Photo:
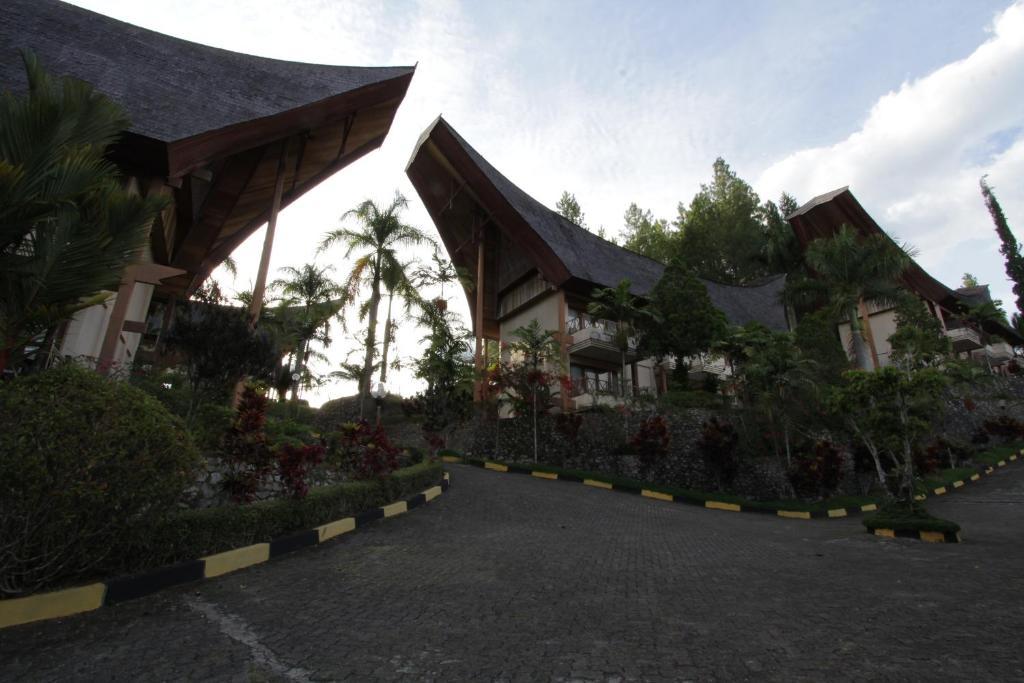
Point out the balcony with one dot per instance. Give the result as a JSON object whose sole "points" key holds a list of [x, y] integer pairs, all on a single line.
{"points": [[701, 367], [964, 339], [596, 339], [998, 352]]}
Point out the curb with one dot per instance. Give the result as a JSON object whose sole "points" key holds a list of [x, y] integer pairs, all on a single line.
{"points": [[64, 603], [926, 536], [832, 513]]}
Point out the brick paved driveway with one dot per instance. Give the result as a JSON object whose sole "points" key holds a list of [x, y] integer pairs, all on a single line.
{"points": [[513, 578]]}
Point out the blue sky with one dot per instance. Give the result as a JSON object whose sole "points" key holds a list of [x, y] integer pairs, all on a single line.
{"points": [[908, 103]]}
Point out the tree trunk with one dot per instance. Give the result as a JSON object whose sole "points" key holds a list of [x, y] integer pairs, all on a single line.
{"points": [[625, 413], [300, 353], [371, 339], [860, 349], [387, 341]]}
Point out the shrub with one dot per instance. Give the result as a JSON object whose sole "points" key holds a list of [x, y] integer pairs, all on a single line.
{"points": [[363, 452], [819, 472], [288, 431], [83, 462], [717, 444], [294, 464], [1005, 427], [299, 411], [901, 516], [190, 534], [246, 455], [209, 425], [651, 442]]}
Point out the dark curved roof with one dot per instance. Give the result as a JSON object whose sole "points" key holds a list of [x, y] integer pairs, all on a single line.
{"points": [[171, 88], [586, 256], [567, 253]]}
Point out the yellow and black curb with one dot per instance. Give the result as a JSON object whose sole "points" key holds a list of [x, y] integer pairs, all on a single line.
{"points": [[926, 536], [833, 513], [80, 599]]}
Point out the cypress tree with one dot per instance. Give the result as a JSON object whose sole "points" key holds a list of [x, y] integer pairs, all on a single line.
{"points": [[1009, 247]]}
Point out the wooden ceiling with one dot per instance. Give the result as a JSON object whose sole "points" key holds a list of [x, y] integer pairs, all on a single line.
{"points": [[225, 180]]}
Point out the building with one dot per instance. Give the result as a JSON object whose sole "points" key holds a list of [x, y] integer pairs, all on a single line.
{"points": [[529, 263], [228, 138], [991, 343]]}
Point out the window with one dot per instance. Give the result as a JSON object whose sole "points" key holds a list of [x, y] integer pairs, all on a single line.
{"points": [[588, 380]]}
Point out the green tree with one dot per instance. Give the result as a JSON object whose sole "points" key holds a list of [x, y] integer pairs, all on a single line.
{"points": [[721, 232], [380, 234], [918, 341], [313, 299], [570, 209], [683, 321], [969, 280], [445, 365], [776, 379], [218, 348], [1008, 244], [848, 271], [397, 282], [629, 315], [647, 235], [890, 411], [780, 249], [528, 385], [68, 228], [818, 340]]}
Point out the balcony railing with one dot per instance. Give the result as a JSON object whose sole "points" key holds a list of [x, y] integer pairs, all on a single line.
{"points": [[590, 385], [964, 338], [582, 329]]}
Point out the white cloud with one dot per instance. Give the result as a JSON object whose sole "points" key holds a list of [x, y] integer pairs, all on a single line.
{"points": [[916, 161]]}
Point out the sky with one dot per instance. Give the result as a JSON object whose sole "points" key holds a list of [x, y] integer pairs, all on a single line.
{"points": [[908, 103]]}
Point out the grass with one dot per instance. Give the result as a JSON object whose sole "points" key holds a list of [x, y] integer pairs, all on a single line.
{"points": [[933, 481], [997, 453], [901, 517]]}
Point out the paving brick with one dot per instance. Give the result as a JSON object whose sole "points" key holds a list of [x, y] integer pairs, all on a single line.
{"points": [[517, 578]]}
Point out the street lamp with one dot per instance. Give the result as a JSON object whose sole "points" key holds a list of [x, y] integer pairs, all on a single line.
{"points": [[378, 393]]}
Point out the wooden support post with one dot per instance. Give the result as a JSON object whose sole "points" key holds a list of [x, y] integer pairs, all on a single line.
{"points": [[259, 289], [117, 316], [868, 334], [563, 339], [479, 321]]}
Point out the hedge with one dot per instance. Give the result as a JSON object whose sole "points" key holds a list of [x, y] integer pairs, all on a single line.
{"points": [[191, 534], [901, 517]]}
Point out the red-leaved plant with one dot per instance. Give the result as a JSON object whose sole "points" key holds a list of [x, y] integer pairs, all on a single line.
{"points": [[294, 464], [370, 453], [248, 459]]}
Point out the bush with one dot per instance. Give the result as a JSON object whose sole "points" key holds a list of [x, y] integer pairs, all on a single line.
{"points": [[1005, 427], [248, 459], [210, 423], [294, 464], [650, 442], [195, 533], [901, 516], [819, 472], [299, 411], [717, 444], [84, 461]]}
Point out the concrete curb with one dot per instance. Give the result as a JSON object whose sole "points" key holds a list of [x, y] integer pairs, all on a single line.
{"points": [[86, 598], [833, 513], [926, 536]]}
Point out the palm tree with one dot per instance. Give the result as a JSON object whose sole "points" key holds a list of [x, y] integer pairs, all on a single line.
{"points": [[848, 271], [618, 305], [68, 228], [441, 273], [396, 281], [311, 299], [380, 235]]}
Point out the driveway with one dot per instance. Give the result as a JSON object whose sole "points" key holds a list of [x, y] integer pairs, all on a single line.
{"points": [[508, 577]]}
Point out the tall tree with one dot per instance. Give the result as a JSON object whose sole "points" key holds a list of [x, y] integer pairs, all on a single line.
{"points": [[313, 299], [68, 228], [447, 370], [646, 234], [1008, 243], [968, 280], [397, 282], [570, 209], [722, 231], [684, 323], [848, 271], [380, 234], [780, 249]]}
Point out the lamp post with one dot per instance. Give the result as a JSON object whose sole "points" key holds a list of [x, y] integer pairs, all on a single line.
{"points": [[378, 393]]}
